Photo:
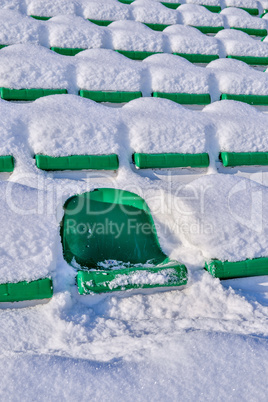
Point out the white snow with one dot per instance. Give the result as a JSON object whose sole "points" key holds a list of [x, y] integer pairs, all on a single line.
{"points": [[170, 73], [236, 17], [176, 128], [110, 10], [236, 77], [196, 15], [238, 43], [185, 39], [153, 12], [28, 233]]}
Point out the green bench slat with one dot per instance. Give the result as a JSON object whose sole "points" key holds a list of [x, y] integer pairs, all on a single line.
{"points": [[77, 162], [185, 99], [170, 160], [212, 9], [252, 60], [244, 158], [207, 30], [252, 31], [20, 291], [198, 58], [6, 163], [110, 96], [39, 17], [136, 54], [28, 94], [250, 99], [156, 27], [239, 269], [171, 5], [99, 281], [101, 23], [67, 51]]}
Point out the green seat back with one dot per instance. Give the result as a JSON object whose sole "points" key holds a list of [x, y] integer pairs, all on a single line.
{"points": [[108, 225]]}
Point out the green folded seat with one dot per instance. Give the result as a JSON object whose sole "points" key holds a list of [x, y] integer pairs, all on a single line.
{"points": [[250, 99], [111, 235], [67, 51], [136, 54], [110, 96], [28, 94], [198, 58], [185, 98], [244, 158], [7, 163], [228, 270], [21, 291], [252, 31], [170, 160], [77, 162], [156, 27], [102, 23], [252, 60], [208, 30]]}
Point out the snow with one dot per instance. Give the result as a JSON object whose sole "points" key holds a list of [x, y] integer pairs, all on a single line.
{"points": [[133, 35], [237, 43], [170, 73], [153, 12], [176, 128], [239, 127], [185, 39], [28, 234], [236, 77], [205, 342], [101, 69], [242, 3], [196, 15], [168, 275], [59, 126], [235, 17]]}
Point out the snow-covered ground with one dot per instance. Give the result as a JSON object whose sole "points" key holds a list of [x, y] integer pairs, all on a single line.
{"points": [[206, 341]]}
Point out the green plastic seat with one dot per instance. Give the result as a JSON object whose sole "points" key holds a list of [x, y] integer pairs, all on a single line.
{"points": [[28, 94], [39, 17], [244, 158], [198, 58], [184, 98], [261, 100], [136, 54], [7, 163], [156, 27], [102, 23], [77, 162], [111, 235], [66, 51], [21, 291], [170, 160], [252, 31], [228, 270], [208, 29], [110, 96], [251, 60]]}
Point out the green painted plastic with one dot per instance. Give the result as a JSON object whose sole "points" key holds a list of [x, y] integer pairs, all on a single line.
{"points": [[126, 1], [39, 17], [265, 11], [185, 99], [28, 94], [66, 51], [2, 46], [104, 281], [198, 58], [110, 96], [156, 27], [101, 23], [6, 163], [244, 158], [212, 9], [239, 269], [252, 31], [77, 162], [250, 99], [21, 291], [107, 227], [261, 61], [136, 55], [174, 6], [170, 160], [207, 30]]}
